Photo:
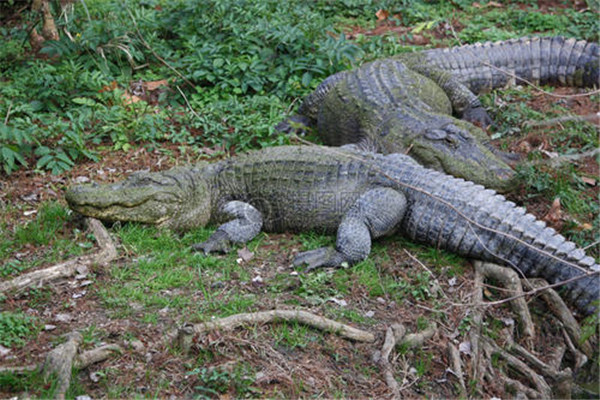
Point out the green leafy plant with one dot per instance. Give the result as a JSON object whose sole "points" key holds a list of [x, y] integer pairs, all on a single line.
{"points": [[16, 329]]}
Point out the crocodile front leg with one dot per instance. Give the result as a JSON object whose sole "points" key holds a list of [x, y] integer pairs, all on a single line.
{"points": [[246, 225], [376, 213], [464, 102]]}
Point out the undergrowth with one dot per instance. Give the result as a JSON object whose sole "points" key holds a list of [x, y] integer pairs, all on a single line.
{"points": [[240, 65]]}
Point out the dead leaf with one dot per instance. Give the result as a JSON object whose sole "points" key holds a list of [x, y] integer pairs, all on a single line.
{"points": [[586, 226], [494, 4], [555, 214], [382, 15], [153, 85], [109, 88], [589, 181], [130, 99]]}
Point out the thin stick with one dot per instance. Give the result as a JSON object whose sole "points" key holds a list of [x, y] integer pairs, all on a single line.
{"points": [[537, 87], [154, 53], [188, 103], [8, 113]]}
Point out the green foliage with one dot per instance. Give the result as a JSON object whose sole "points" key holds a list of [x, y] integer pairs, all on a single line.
{"points": [[248, 60], [212, 382], [16, 329]]}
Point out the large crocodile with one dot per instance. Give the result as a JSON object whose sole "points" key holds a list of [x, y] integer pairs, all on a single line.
{"points": [[362, 195], [406, 103]]}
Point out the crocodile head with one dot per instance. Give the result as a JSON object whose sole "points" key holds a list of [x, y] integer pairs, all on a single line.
{"points": [[178, 199], [458, 153]]}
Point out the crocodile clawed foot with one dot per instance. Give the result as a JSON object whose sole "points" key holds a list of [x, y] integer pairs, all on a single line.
{"points": [[217, 243], [478, 117], [313, 259]]}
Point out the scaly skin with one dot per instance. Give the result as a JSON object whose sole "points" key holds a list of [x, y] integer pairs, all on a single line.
{"points": [[361, 194], [406, 103]]}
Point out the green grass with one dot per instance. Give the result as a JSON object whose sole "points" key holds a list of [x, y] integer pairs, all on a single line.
{"points": [[50, 231], [16, 329]]}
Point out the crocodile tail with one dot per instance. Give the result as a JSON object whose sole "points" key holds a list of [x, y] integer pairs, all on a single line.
{"points": [[312, 103], [547, 60], [481, 224]]}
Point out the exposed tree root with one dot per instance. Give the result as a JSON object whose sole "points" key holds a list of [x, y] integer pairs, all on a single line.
{"points": [[396, 335], [537, 378], [454, 357], [183, 337], [558, 307], [60, 361], [511, 281], [107, 253]]}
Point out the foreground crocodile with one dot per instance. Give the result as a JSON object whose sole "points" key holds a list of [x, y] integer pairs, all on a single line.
{"points": [[362, 195], [406, 103]]}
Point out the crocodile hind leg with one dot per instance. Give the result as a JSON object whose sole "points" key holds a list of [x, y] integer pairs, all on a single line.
{"points": [[376, 213], [246, 225]]}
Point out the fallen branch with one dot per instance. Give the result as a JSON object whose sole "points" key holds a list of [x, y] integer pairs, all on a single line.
{"points": [[560, 120], [396, 335], [541, 386], [96, 355], [561, 311], [107, 253], [183, 336], [511, 281], [456, 367]]}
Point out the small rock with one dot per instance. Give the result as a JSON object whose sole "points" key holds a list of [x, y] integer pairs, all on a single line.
{"points": [[452, 281], [370, 314], [84, 396], [380, 300], [294, 273], [86, 283], [49, 327], [81, 179], [148, 357], [95, 377], [259, 375], [257, 279], [79, 295], [63, 318]]}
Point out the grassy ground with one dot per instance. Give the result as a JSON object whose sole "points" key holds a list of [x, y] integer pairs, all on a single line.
{"points": [[70, 110]]}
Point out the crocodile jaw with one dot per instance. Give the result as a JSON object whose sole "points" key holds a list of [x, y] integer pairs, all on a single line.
{"points": [[146, 202], [470, 161]]}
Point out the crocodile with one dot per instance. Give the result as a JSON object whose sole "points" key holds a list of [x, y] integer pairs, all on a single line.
{"points": [[361, 195], [425, 103]]}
